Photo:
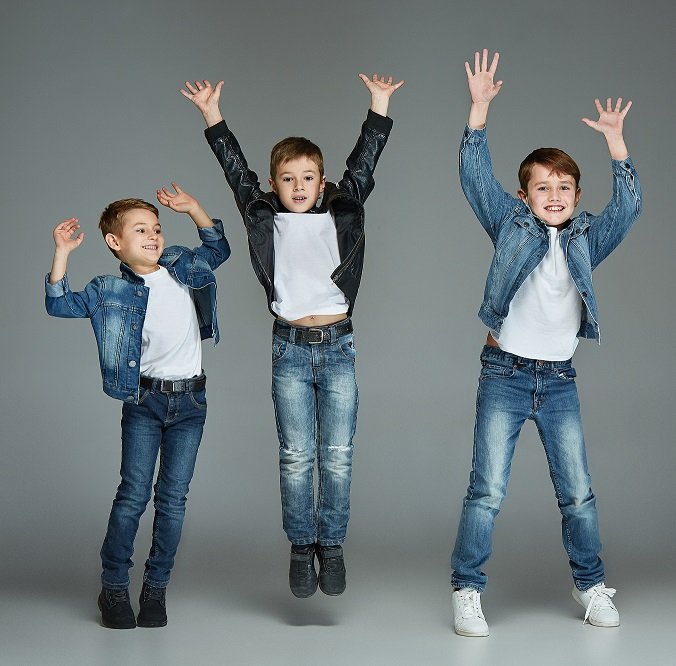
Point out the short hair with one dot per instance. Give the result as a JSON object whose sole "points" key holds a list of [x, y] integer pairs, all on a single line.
{"points": [[292, 148], [112, 218], [553, 159]]}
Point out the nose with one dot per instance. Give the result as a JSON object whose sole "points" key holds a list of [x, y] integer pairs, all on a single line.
{"points": [[298, 185]]}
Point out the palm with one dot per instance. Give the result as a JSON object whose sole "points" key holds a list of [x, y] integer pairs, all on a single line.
{"points": [[611, 120], [482, 88], [202, 95]]}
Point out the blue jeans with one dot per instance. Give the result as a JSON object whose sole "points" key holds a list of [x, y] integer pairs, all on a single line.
{"points": [[511, 390], [169, 424], [315, 397]]}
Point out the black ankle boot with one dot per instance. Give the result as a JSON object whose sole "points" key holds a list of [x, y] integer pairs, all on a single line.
{"points": [[153, 611], [302, 572], [116, 611], [331, 570]]}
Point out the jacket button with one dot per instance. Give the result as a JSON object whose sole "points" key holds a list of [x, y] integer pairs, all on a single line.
{"points": [[139, 293], [132, 364], [130, 397], [134, 327]]}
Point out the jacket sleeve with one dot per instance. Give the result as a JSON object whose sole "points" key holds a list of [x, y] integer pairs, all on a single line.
{"points": [[60, 301], [242, 180], [608, 229], [215, 248], [358, 177], [490, 203]]}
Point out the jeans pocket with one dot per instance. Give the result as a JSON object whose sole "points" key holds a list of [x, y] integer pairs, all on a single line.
{"points": [[347, 348], [199, 398], [567, 374], [495, 371], [279, 348], [144, 394]]}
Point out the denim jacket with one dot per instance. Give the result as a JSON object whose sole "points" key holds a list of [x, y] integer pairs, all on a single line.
{"points": [[116, 307], [344, 200], [521, 239]]}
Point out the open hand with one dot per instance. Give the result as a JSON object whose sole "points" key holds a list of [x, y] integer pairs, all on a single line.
{"points": [[63, 235], [205, 97], [481, 86], [179, 201], [611, 121]]}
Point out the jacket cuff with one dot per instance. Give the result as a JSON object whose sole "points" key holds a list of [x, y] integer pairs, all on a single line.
{"points": [[212, 133], [214, 233], [56, 290], [620, 167], [382, 124], [471, 135]]}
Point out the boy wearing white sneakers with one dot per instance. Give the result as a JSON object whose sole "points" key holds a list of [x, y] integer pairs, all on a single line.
{"points": [[538, 301]]}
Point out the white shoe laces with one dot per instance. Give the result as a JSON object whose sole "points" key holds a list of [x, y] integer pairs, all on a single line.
{"points": [[471, 604], [600, 598]]}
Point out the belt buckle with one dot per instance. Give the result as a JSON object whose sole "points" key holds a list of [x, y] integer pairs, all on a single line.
{"points": [[321, 337]]}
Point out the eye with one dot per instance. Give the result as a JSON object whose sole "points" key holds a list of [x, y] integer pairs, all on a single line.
{"points": [[565, 187], [541, 188], [286, 179], [309, 177]]}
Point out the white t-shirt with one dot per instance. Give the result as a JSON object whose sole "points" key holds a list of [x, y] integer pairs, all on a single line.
{"points": [[306, 254], [544, 315], [170, 341]]}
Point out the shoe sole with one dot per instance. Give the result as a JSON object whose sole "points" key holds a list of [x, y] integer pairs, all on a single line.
{"points": [[331, 594], [470, 634], [303, 596], [151, 625]]}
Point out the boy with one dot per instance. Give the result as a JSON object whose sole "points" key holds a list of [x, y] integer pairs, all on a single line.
{"points": [[308, 256], [148, 325], [538, 299]]}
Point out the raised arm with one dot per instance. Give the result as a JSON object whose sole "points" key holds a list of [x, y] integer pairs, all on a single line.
{"points": [[181, 202], [381, 90], [215, 248], [205, 98], [482, 89], [64, 244], [611, 124]]}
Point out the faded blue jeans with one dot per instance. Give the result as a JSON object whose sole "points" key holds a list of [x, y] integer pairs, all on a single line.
{"points": [[315, 397], [511, 390], [169, 424]]}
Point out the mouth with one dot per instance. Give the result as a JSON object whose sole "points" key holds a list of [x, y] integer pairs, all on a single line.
{"points": [[553, 209], [299, 200], [152, 248]]}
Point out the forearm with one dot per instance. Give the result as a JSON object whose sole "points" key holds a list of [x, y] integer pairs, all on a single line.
{"points": [[200, 218], [478, 113], [59, 266], [616, 147]]}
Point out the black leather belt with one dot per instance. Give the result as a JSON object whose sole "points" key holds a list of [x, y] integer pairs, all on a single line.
{"points": [[174, 385], [313, 335]]}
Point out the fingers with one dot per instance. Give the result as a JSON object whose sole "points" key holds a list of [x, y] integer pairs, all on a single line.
{"points": [[481, 63]]}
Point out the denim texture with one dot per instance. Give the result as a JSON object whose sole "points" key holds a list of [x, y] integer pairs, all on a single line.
{"points": [[521, 240], [169, 424], [116, 307], [511, 390], [316, 398]]}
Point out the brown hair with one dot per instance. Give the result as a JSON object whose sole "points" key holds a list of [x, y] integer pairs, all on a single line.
{"points": [[112, 218], [553, 159], [292, 148]]}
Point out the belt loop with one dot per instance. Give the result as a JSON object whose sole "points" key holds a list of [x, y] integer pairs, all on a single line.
{"points": [[292, 334]]}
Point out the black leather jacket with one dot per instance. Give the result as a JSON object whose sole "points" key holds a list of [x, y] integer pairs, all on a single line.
{"points": [[344, 200]]}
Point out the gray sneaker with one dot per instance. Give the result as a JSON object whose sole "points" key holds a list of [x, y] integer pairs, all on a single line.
{"points": [[302, 572]]}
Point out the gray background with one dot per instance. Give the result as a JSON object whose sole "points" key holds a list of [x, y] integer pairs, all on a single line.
{"points": [[91, 113]]}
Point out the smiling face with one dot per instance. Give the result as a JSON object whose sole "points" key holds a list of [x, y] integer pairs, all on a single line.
{"points": [[140, 243], [551, 196], [298, 184]]}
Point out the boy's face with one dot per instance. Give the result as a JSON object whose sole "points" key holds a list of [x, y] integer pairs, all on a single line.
{"points": [[141, 242], [551, 196], [298, 184]]}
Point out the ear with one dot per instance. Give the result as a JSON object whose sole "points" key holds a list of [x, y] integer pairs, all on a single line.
{"points": [[112, 242], [523, 196], [578, 196], [322, 185], [271, 182]]}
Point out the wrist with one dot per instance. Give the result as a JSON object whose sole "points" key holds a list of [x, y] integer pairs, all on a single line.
{"points": [[212, 117]]}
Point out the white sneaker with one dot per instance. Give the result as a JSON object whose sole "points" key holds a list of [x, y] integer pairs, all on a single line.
{"points": [[600, 610], [467, 615]]}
